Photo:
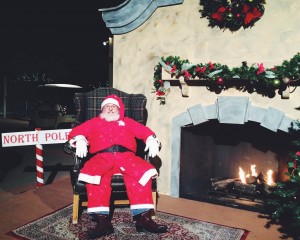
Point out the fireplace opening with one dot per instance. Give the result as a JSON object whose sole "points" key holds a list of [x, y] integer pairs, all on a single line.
{"points": [[213, 154]]}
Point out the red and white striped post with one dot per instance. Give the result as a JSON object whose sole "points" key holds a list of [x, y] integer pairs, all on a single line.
{"points": [[39, 164]]}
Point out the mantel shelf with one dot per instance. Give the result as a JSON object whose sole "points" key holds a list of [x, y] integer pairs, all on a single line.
{"points": [[227, 82], [184, 84]]}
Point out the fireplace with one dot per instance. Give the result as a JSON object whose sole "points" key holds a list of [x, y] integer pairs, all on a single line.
{"points": [[211, 143], [215, 158]]}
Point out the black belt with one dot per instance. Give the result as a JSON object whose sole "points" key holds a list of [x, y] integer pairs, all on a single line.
{"points": [[114, 148]]}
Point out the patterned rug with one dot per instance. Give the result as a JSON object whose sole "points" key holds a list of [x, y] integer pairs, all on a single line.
{"points": [[58, 225]]}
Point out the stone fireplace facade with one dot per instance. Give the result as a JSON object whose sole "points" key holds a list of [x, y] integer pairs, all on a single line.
{"points": [[226, 110]]}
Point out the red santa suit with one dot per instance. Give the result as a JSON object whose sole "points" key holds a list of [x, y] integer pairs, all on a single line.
{"points": [[98, 171]]}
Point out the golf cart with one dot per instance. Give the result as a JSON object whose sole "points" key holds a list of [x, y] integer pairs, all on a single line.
{"points": [[54, 108]]}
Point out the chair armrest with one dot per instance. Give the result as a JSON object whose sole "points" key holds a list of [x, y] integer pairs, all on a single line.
{"points": [[155, 161], [68, 148], [71, 150]]}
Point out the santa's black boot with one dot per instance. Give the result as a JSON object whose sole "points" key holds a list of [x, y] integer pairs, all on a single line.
{"points": [[144, 222], [103, 227]]}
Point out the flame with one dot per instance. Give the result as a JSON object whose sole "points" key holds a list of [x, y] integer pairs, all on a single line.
{"points": [[253, 171], [269, 177], [242, 175]]}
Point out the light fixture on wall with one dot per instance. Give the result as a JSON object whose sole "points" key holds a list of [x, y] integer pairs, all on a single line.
{"points": [[108, 42]]}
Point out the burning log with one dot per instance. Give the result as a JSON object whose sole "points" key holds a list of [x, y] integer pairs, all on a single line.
{"points": [[262, 177], [251, 180], [244, 188], [264, 187], [254, 186], [217, 184]]}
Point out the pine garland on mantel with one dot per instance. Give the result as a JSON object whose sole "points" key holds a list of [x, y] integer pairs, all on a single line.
{"points": [[232, 14], [218, 77]]}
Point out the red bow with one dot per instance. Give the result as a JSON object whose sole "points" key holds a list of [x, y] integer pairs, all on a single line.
{"points": [[250, 15], [260, 69], [186, 74], [211, 66], [159, 93], [218, 14], [173, 69], [202, 70]]}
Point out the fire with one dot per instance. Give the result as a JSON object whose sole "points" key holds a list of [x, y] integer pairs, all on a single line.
{"points": [[253, 171], [270, 179], [243, 176]]}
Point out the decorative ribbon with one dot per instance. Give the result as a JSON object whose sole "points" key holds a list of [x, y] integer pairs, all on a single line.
{"points": [[202, 70], [251, 15], [165, 66], [214, 73], [186, 74], [260, 68], [218, 14]]}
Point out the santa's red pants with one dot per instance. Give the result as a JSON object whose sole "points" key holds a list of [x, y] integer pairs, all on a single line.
{"points": [[140, 197]]}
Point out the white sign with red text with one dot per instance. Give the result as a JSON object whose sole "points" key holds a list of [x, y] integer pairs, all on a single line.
{"points": [[35, 137]]}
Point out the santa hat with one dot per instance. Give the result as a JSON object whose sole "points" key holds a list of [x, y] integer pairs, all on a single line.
{"points": [[110, 100], [114, 99]]}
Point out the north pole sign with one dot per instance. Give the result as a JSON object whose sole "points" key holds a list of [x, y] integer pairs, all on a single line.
{"points": [[35, 137]]}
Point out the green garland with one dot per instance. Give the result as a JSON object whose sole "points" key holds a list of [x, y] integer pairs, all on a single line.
{"points": [[218, 77], [232, 14]]}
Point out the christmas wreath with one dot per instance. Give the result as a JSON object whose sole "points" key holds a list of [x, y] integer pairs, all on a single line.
{"points": [[232, 14]]}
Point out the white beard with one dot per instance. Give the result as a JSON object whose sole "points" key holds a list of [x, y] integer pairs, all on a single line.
{"points": [[110, 117]]}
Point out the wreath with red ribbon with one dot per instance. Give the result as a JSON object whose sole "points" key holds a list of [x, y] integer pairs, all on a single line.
{"points": [[232, 14]]}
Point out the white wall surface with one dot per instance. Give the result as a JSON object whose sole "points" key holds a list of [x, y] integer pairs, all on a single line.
{"points": [[180, 31]]}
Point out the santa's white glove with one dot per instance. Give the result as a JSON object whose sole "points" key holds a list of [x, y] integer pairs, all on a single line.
{"points": [[81, 148], [152, 143], [80, 143]]}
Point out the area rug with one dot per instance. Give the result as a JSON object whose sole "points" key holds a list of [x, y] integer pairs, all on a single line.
{"points": [[58, 225]]}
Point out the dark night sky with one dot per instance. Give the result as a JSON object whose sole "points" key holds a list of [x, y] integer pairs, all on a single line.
{"points": [[66, 34]]}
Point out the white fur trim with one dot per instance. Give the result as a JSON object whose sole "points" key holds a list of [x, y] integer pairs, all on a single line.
{"points": [[151, 173], [98, 209], [141, 206], [110, 100], [89, 179], [121, 123]]}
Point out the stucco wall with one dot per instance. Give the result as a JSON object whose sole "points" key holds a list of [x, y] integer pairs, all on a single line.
{"points": [[179, 31]]}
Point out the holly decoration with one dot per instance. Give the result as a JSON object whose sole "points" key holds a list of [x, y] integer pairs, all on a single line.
{"points": [[283, 205], [232, 14], [218, 77]]}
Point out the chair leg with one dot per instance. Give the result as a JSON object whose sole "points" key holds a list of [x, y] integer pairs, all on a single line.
{"points": [[75, 208], [154, 197]]}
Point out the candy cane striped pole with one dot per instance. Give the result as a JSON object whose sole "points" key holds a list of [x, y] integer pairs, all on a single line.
{"points": [[39, 164]]}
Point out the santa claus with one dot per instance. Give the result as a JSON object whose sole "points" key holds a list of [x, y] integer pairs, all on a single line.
{"points": [[111, 138]]}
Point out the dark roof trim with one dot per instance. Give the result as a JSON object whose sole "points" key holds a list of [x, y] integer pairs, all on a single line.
{"points": [[132, 13]]}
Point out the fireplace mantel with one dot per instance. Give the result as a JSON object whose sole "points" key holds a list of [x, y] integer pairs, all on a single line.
{"points": [[227, 110]]}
